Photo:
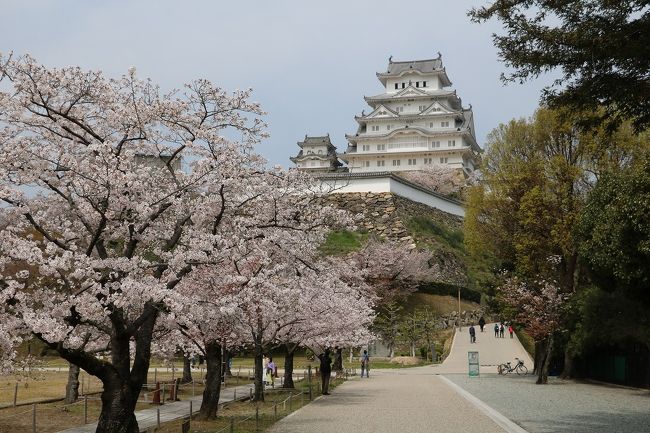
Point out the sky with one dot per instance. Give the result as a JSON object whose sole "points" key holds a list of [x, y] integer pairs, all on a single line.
{"points": [[309, 62]]}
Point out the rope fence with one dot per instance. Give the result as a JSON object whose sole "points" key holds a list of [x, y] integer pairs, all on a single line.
{"points": [[262, 414]]}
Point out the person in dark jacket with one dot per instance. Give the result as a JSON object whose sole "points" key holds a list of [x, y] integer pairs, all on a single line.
{"points": [[325, 370], [481, 323], [496, 330], [472, 334]]}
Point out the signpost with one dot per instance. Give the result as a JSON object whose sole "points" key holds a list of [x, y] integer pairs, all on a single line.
{"points": [[472, 358]]}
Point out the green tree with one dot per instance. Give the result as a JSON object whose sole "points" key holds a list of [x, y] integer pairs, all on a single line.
{"points": [[387, 324], [534, 179], [601, 48], [538, 174], [410, 331], [615, 231]]}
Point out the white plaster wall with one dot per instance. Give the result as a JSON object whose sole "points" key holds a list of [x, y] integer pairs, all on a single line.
{"points": [[386, 184], [416, 195], [380, 184]]}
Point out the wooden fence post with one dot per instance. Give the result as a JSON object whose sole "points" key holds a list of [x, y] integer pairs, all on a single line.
{"points": [[16, 394], [190, 413], [85, 409], [158, 417], [232, 424], [34, 418], [257, 419]]}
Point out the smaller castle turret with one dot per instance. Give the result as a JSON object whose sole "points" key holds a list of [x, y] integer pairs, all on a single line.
{"points": [[317, 154]]}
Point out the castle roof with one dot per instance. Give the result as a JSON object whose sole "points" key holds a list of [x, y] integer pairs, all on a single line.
{"points": [[422, 67], [316, 140]]}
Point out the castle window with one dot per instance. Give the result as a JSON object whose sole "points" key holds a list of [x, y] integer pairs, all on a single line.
{"points": [[428, 161], [443, 160], [412, 161], [381, 147], [388, 127], [366, 163], [366, 147], [435, 144], [374, 127], [396, 162], [417, 84], [424, 84], [403, 85], [397, 85], [422, 107], [451, 143], [444, 124], [380, 163]]}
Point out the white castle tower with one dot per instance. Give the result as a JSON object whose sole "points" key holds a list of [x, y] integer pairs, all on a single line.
{"points": [[317, 154], [418, 121]]}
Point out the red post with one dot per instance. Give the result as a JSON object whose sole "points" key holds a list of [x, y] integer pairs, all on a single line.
{"points": [[156, 394]]}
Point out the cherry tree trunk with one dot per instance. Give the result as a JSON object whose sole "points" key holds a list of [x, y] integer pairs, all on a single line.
{"points": [[212, 390], [338, 360], [122, 380], [187, 370], [118, 406], [72, 388], [540, 350], [259, 374], [288, 366], [542, 377]]}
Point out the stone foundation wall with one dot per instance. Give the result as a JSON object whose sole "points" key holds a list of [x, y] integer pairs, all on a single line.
{"points": [[378, 213]]}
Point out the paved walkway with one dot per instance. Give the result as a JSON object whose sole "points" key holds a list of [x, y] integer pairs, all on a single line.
{"points": [[413, 400], [401, 400], [170, 411], [492, 351]]}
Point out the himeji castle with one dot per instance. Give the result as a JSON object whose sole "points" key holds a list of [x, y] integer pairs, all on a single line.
{"points": [[416, 122]]}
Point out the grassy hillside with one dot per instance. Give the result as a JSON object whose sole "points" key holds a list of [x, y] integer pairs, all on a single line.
{"points": [[438, 304], [437, 231]]}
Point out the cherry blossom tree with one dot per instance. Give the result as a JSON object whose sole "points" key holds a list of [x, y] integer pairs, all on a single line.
{"points": [[392, 269], [338, 315], [537, 305], [128, 190], [439, 178]]}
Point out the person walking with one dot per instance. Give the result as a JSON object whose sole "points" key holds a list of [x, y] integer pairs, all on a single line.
{"points": [[472, 334], [481, 323], [325, 371], [496, 330], [271, 370], [265, 363], [510, 330], [501, 330], [365, 364]]}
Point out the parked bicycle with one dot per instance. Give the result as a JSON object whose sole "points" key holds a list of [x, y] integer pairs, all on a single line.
{"points": [[507, 367]]}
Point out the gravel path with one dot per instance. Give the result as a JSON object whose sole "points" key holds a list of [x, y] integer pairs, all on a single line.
{"points": [[409, 401], [562, 406]]}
